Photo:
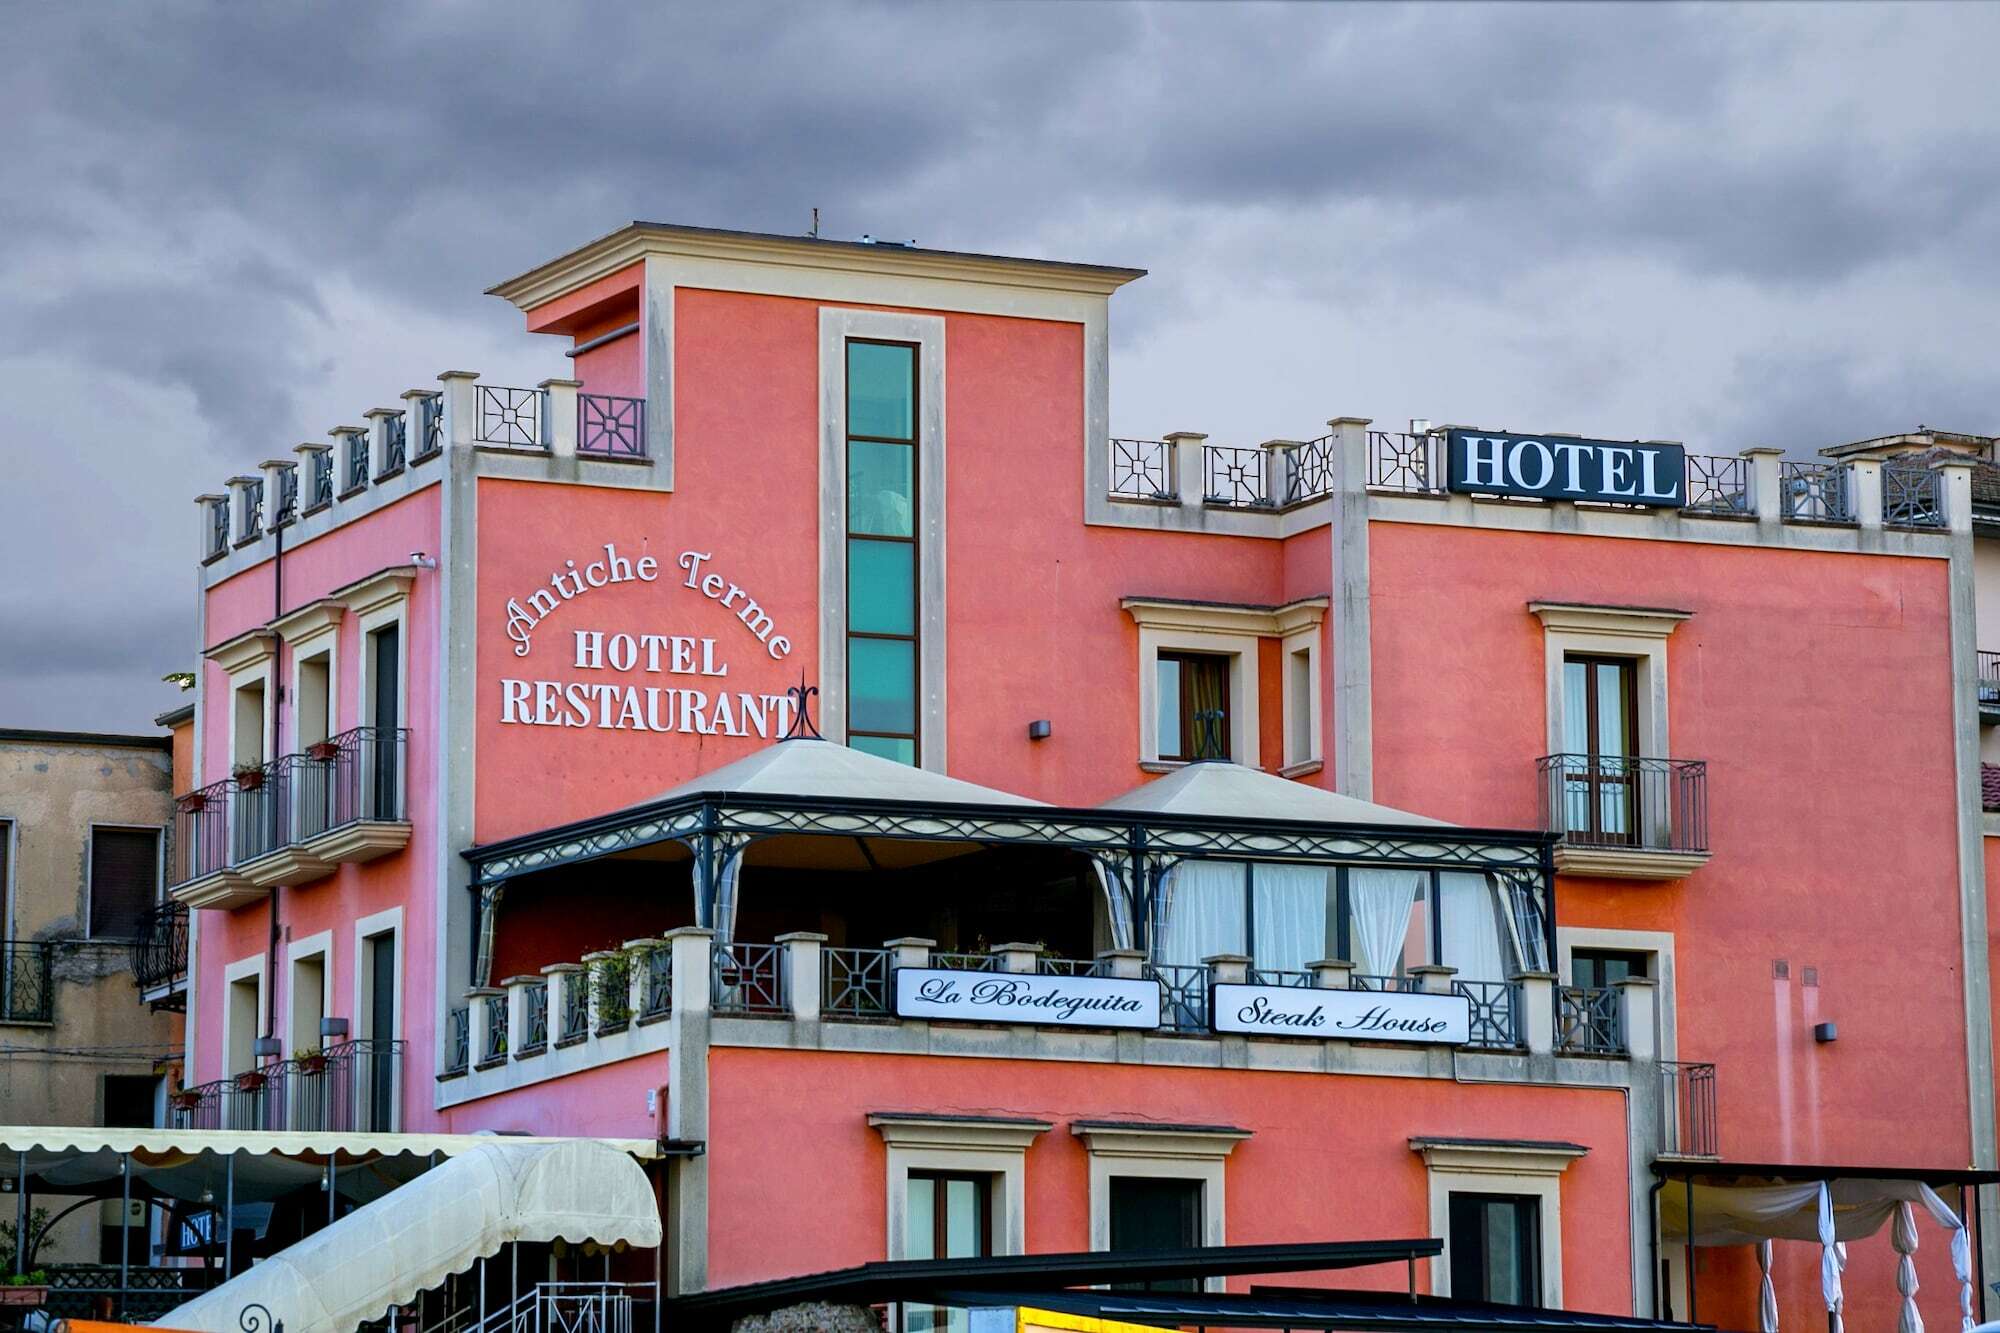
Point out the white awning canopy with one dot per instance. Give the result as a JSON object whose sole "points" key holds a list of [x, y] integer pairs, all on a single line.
{"points": [[812, 768], [382, 1254], [1216, 789]]}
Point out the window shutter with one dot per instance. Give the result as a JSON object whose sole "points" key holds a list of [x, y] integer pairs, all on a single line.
{"points": [[124, 880]]}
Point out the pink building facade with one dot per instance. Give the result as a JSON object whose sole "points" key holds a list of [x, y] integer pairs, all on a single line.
{"points": [[509, 813]]}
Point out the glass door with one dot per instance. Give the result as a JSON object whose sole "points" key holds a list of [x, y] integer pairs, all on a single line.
{"points": [[1600, 744]]}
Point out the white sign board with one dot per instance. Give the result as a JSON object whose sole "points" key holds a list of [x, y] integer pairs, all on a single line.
{"points": [[1349, 1015], [1022, 997]]}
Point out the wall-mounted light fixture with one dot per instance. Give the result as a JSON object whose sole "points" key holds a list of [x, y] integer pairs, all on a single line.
{"points": [[1039, 729], [422, 560], [1826, 1032], [333, 1027], [267, 1048]]}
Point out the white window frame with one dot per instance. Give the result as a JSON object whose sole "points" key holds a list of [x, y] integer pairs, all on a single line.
{"points": [[1638, 633], [318, 946], [1171, 1152], [381, 923], [247, 660], [314, 631], [241, 970], [1234, 632], [90, 865], [1657, 944], [836, 326], [1457, 1166], [994, 1148], [1300, 762]]}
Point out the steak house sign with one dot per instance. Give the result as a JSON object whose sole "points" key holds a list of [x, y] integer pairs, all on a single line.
{"points": [[1565, 467], [655, 653]]}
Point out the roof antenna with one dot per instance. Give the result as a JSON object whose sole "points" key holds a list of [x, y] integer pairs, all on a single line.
{"points": [[814, 233]]}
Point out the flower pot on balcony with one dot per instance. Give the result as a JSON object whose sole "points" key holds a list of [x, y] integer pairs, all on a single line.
{"points": [[251, 1081], [311, 1064], [324, 751], [194, 802], [185, 1099], [249, 779], [27, 1293]]}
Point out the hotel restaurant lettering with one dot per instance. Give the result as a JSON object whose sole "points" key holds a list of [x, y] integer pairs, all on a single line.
{"points": [[1197, 842]]}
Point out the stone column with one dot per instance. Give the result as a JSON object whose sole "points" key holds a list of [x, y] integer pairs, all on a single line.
{"points": [[1434, 978], [240, 528], [562, 977], [1189, 472], [1538, 1010], [415, 402], [804, 961], [1867, 473], [276, 471], [1332, 973], [559, 421], [1957, 488], [1637, 1004], [1278, 469], [488, 1007], [204, 505], [1227, 969], [1766, 496], [1126, 964], [686, 1114], [461, 409], [1017, 957], [519, 998], [910, 951]]}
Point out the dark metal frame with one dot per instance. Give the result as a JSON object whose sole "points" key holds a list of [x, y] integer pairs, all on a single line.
{"points": [[848, 536], [1912, 497], [319, 479], [511, 418], [1309, 470], [1143, 470], [1235, 478], [430, 426], [160, 955], [218, 527], [27, 981], [1815, 492], [395, 435], [1689, 1088], [608, 426], [356, 462], [1399, 461], [1588, 1021], [1719, 486]]}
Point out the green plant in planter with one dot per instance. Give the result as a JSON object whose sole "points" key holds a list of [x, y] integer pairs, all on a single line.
{"points": [[38, 1222], [612, 978]]}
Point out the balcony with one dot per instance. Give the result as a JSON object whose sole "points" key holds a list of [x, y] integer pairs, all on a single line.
{"points": [[351, 1087], [27, 982], [1989, 688], [293, 820], [160, 956], [1625, 817], [606, 426], [1688, 1127]]}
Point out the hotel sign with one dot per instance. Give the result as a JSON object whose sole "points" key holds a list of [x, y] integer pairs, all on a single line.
{"points": [[1564, 467], [1348, 1015], [1027, 998]]}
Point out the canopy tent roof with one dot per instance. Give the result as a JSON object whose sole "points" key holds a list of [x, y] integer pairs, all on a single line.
{"points": [[1313, 1308], [802, 767], [1219, 789], [1744, 1203], [384, 1253]]}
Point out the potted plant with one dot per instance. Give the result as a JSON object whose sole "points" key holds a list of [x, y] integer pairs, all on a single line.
{"points": [[195, 802], [324, 751], [25, 1288], [249, 777], [184, 1099], [311, 1060], [252, 1080]]}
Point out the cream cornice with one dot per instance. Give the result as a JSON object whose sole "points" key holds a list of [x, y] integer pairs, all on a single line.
{"points": [[630, 245], [309, 621], [246, 650], [1213, 618], [1194, 1142], [1518, 1159], [957, 1133], [1655, 622], [1627, 862], [377, 590]]}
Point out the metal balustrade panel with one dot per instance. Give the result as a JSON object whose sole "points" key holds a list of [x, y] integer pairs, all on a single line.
{"points": [[430, 425], [27, 981], [659, 992], [748, 979], [319, 491], [1399, 461], [611, 983], [1496, 1012], [610, 427], [1587, 1021], [1690, 1125], [1273, 976], [160, 950], [458, 1039], [1142, 470], [1234, 478], [854, 983], [510, 418], [356, 463], [1815, 492], [534, 1018], [1989, 679], [1627, 801], [1311, 472], [494, 1048], [1719, 485], [395, 445], [1069, 967], [218, 527], [1183, 996], [1912, 497], [576, 1009], [966, 962]]}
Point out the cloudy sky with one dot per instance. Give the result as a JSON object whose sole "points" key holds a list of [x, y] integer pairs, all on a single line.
{"points": [[229, 228]]}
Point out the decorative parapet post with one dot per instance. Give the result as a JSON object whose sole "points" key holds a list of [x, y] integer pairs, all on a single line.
{"points": [[1766, 494], [381, 424], [1538, 1010], [488, 1020], [416, 402], [1350, 742], [804, 959], [277, 471], [694, 968], [1434, 978], [1125, 964], [310, 453], [1637, 1003], [517, 1002], [1017, 957], [594, 964], [909, 951], [684, 1118], [559, 415], [1189, 474], [562, 977], [1331, 973], [1868, 493], [347, 441], [461, 408], [639, 953], [205, 505], [1227, 969], [1957, 488], [243, 526], [1278, 469]]}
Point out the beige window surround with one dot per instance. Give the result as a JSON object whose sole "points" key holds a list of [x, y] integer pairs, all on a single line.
{"points": [[994, 1146], [1233, 631], [1493, 1166], [1177, 1152]]}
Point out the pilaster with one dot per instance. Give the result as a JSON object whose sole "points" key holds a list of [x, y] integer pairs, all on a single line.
{"points": [[1351, 751]]}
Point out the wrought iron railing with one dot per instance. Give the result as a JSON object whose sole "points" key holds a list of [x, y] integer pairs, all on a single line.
{"points": [[658, 993], [494, 1049], [967, 962], [1815, 492], [1719, 485], [854, 983], [395, 445], [160, 951], [749, 979], [351, 1087], [458, 1039], [355, 465], [1989, 679], [27, 982], [1912, 497], [218, 527], [1234, 478], [1310, 474], [1496, 1011], [1142, 470], [1587, 1021], [288, 496], [1400, 461], [1689, 1125], [253, 509], [575, 1009], [1183, 995], [610, 427], [200, 845], [319, 479], [81, 1291], [510, 418], [1397, 984], [1276, 976], [534, 1018], [1069, 967], [1625, 801], [430, 425], [611, 980]]}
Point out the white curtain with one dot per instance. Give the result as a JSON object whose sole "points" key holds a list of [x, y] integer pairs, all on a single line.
{"points": [[1381, 902], [1767, 1295], [1289, 907], [1903, 1238], [1118, 904], [1470, 927], [1961, 1249], [1207, 912], [725, 893], [1831, 1261]]}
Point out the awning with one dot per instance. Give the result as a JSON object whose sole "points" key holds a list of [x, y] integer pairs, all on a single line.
{"points": [[1220, 790], [1741, 1203], [801, 767], [1301, 1308], [383, 1254]]}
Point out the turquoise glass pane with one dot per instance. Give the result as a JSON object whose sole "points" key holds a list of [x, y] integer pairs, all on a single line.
{"points": [[881, 685], [881, 494], [881, 390], [904, 751], [881, 587]]}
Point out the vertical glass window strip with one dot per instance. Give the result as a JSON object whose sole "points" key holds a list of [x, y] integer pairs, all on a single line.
{"points": [[882, 549]]}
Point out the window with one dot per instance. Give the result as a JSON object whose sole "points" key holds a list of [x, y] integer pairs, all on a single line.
{"points": [[315, 699], [243, 1017], [124, 880], [129, 1101], [1194, 706], [307, 999], [1156, 1213], [377, 1066], [7, 876], [882, 609], [1301, 716], [1496, 1248], [1607, 967], [247, 741], [948, 1216]]}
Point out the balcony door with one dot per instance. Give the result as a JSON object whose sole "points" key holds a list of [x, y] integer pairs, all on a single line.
{"points": [[1600, 743], [380, 750]]}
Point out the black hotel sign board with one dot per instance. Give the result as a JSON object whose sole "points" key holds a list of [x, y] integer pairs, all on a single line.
{"points": [[1565, 467]]}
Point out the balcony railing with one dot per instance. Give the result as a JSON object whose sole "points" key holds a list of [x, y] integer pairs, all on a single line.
{"points": [[458, 1039], [534, 1019], [1989, 679], [1628, 802], [1235, 477], [1496, 1011], [1587, 1021], [749, 979], [1399, 461], [354, 778], [1689, 1128], [1719, 485], [319, 479], [1912, 497], [27, 982], [510, 418], [658, 995], [356, 463], [1310, 474], [395, 445], [1816, 492], [352, 1087], [160, 951], [430, 425], [854, 983], [1143, 470], [218, 527], [610, 427]]}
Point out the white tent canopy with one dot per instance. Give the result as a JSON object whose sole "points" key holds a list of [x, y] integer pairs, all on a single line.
{"points": [[381, 1255], [803, 767], [1231, 791]]}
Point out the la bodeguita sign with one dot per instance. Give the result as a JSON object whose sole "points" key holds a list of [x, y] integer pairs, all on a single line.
{"points": [[1562, 467], [1350, 1015], [1027, 998]]}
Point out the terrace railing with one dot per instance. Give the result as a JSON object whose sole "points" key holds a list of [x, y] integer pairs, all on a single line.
{"points": [[395, 445], [1399, 461], [1143, 470], [1815, 492], [495, 1047], [356, 464], [1989, 679], [1625, 801], [458, 1039], [351, 1087], [319, 479], [1912, 497], [576, 1011], [1587, 1021], [534, 1019], [1690, 1126], [854, 983], [27, 982], [749, 979], [1234, 478], [611, 986], [510, 418], [1719, 485], [160, 950], [218, 527], [657, 993], [201, 831], [1496, 1011], [1310, 474], [430, 425], [610, 427], [1183, 996]]}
